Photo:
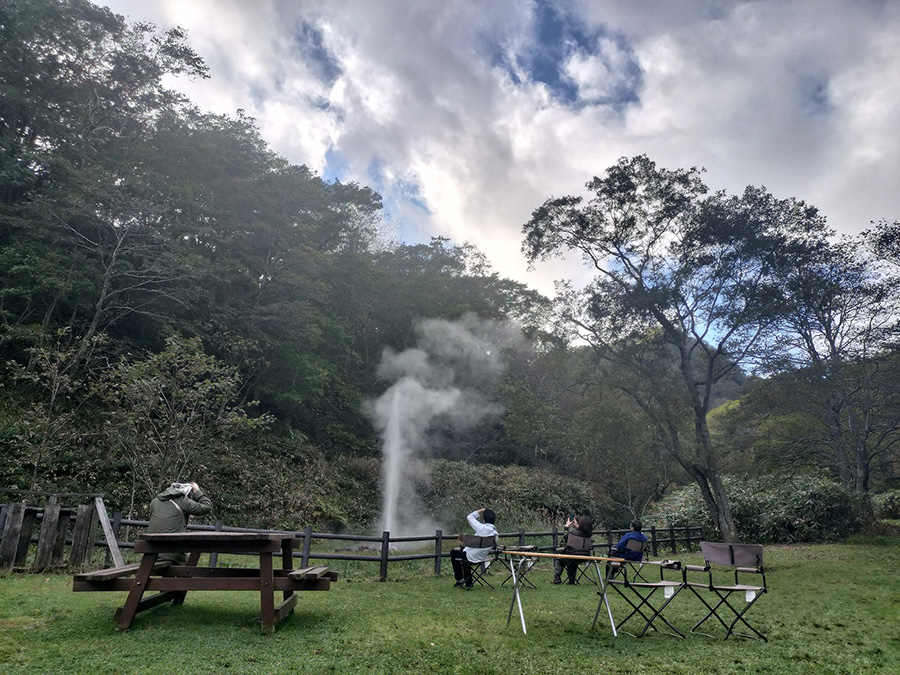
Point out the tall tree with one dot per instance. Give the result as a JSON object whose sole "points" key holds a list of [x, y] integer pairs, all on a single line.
{"points": [[700, 270]]}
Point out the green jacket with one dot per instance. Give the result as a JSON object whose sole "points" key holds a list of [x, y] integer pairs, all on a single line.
{"points": [[170, 510]]}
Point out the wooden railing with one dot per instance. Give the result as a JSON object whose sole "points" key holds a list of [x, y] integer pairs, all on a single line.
{"points": [[82, 539]]}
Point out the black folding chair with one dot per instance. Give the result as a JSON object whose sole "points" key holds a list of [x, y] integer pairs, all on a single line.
{"points": [[744, 559], [479, 570], [640, 594]]}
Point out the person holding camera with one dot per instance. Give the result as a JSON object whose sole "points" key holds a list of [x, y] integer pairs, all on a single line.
{"points": [[171, 509], [583, 527], [464, 558]]}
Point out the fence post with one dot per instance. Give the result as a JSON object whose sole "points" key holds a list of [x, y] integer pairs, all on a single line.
{"points": [[62, 530], [609, 537], [687, 537], [672, 538], [47, 538], [521, 536], [555, 538], [28, 523], [307, 538], [438, 549], [214, 556], [653, 543], [385, 550], [83, 536], [12, 529]]}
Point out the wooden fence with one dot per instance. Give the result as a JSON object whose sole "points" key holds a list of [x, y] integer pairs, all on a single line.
{"points": [[77, 527]]}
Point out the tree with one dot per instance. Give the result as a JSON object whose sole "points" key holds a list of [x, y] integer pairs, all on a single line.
{"points": [[169, 411], [835, 361], [699, 270]]}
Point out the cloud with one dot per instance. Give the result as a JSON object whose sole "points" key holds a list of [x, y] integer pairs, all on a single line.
{"points": [[468, 115]]}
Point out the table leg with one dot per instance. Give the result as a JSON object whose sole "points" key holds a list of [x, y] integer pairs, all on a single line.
{"points": [[287, 560], [126, 614], [516, 598], [266, 592], [179, 596], [604, 588]]}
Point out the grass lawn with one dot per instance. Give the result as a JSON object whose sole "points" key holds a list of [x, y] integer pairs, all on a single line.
{"points": [[830, 609]]}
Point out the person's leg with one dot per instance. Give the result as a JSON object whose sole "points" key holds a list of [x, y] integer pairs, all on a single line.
{"points": [[557, 571], [571, 569], [456, 558]]}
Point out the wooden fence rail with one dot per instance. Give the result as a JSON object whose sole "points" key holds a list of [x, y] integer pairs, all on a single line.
{"points": [[78, 527]]}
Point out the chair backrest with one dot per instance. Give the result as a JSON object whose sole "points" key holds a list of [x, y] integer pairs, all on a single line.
{"points": [[474, 541], [579, 544], [735, 555], [637, 545]]}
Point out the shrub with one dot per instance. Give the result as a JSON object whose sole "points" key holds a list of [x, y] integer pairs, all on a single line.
{"points": [[887, 505], [771, 509]]}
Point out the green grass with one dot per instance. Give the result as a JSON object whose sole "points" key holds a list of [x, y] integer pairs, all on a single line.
{"points": [[830, 609]]}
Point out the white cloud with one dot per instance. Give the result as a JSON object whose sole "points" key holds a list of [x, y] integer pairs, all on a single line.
{"points": [[800, 96]]}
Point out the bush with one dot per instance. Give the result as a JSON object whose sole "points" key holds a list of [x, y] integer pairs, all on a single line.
{"points": [[772, 510], [522, 497], [887, 505]]}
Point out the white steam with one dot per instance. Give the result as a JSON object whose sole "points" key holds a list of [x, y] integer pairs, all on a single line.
{"points": [[444, 377]]}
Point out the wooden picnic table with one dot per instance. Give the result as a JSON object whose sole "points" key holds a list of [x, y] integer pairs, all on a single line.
{"points": [[173, 581]]}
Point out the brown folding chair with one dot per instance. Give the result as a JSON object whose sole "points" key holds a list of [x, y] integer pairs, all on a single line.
{"points": [[577, 569], [479, 570], [744, 559]]}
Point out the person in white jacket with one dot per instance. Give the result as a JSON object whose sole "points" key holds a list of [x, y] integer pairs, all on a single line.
{"points": [[462, 559]]}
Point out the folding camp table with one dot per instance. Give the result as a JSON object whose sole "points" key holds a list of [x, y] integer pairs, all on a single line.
{"points": [[518, 565]]}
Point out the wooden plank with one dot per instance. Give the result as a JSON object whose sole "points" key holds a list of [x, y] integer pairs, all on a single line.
{"points": [[285, 607], [111, 542], [266, 592], [184, 584], [309, 573], [136, 591], [12, 528], [116, 572], [28, 521], [80, 535], [43, 558], [147, 603], [62, 531]]}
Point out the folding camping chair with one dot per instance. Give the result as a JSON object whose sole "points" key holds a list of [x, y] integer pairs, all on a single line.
{"points": [[635, 566], [580, 546], [745, 559], [639, 593], [479, 570]]}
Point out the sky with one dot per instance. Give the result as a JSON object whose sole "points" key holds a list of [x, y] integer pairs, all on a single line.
{"points": [[466, 115]]}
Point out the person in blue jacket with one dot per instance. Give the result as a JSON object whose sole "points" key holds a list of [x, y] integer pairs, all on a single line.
{"points": [[620, 550]]}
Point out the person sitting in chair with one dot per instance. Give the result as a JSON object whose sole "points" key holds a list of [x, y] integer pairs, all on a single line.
{"points": [[621, 549], [583, 527], [464, 558]]}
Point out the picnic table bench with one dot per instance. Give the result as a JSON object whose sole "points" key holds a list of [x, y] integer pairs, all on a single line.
{"points": [[172, 581]]}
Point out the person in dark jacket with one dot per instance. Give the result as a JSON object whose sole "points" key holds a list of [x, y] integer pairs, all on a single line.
{"points": [[583, 527], [171, 509], [620, 550]]}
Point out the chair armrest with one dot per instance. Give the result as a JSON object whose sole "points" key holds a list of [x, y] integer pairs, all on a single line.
{"points": [[749, 570], [696, 568]]}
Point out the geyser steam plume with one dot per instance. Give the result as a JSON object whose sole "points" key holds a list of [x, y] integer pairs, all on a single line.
{"points": [[442, 377]]}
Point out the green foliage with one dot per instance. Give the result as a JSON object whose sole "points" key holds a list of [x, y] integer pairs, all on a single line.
{"points": [[887, 505], [168, 412], [772, 509], [519, 495]]}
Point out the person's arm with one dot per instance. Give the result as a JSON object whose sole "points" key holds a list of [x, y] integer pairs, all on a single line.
{"points": [[473, 518], [197, 503]]}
